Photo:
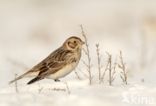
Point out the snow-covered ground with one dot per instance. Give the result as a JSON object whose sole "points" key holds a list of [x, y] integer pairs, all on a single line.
{"points": [[78, 93], [31, 29]]}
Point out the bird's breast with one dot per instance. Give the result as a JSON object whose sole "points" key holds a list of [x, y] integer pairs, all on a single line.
{"points": [[63, 72]]}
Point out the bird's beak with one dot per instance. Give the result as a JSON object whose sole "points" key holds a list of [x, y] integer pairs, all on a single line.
{"points": [[83, 42]]}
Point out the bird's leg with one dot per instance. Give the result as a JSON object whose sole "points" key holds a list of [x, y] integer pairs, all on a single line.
{"points": [[57, 80]]}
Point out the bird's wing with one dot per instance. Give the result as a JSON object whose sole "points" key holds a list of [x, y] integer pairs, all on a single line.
{"points": [[51, 65], [54, 62], [47, 69]]}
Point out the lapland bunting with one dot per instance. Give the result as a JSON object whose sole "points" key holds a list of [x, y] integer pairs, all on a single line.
{"points": [[58, 64]]}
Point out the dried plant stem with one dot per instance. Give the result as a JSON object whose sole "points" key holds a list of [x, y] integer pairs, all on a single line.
{"points": [[87, 52], [114, 71], [110, 68], [99, 61], [77, 75], [124, 72], [103, 75], [68, 90]]}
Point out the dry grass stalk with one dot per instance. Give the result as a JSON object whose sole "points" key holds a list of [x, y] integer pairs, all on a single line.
{"points": [[114, 71], [87, 52], [77, 75], [111, 69], [67, 87], [99, 61], [104, 73], [122, 66]]}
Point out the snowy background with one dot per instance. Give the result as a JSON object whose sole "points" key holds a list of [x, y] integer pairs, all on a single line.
{"points": [[31, 29]]}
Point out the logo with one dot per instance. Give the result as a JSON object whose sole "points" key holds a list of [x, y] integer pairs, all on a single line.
{"points": [[138, 95]]}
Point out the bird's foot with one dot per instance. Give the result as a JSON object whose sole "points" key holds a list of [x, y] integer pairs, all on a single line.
{"points": [[57, 80]]}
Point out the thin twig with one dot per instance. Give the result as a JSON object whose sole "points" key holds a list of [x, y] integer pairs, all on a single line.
{"points": [[114, 70], [77, 75], [87, 52], [99, 61], [106, 68], [68, 90], [124, 72], [110, 68]]}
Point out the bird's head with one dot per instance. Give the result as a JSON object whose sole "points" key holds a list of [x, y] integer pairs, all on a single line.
{"points": [[73, 43]]}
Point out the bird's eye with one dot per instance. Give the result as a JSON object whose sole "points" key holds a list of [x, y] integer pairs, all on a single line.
{"points": [[74, 41]]}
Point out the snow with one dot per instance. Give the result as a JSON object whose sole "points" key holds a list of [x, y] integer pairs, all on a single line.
{"points": [[78, 93], [31, 29]]}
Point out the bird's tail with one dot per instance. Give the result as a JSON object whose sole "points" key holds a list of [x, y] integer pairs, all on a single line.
{"points": [[18, 78], [34, 80]]}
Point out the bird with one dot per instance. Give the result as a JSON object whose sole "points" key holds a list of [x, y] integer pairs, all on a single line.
{"points": [[58, 64]]}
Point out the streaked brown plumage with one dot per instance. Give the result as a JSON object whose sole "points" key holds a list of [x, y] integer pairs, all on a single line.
{"points": [[59, 63]]}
